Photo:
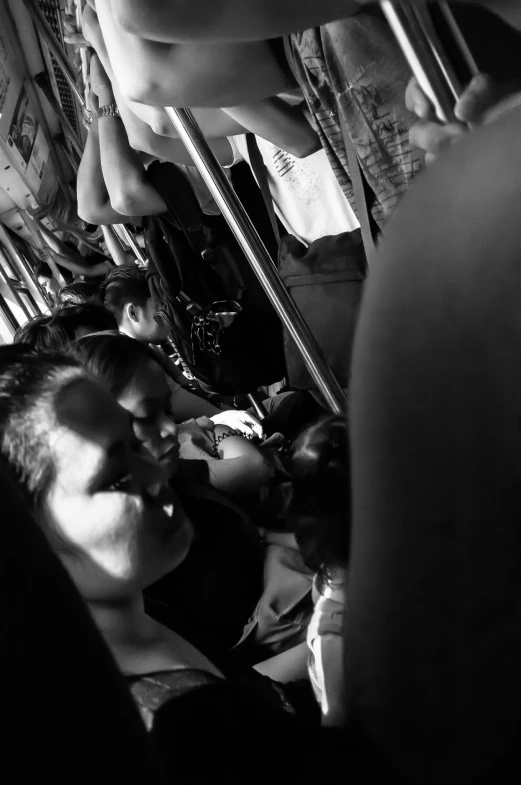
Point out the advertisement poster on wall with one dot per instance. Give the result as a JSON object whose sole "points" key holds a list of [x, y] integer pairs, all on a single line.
{"points": [[27, 142]]}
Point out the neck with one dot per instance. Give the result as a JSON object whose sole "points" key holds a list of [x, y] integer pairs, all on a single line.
{"points": [[123, 621], [125, 329]]}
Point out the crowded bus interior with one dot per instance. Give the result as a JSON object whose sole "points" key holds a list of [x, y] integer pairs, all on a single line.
{"points": [[260, 435]]}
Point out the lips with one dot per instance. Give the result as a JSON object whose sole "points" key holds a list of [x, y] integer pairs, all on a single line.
{"points": [[169, 459]]}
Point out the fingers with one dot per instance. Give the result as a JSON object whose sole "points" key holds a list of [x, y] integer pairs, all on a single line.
{"points": [[252, 424], [433, 138], [205, 423], [478, 98], [76, 39], [417, 102]]}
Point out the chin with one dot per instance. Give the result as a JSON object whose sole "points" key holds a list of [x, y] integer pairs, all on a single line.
{"points": [[180, 543]]}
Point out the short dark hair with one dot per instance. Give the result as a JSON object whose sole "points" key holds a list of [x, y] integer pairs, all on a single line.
{"points": [[30, 385], [319, 509], [80, 292], [55, 332], [113, 359], [125, 284]]}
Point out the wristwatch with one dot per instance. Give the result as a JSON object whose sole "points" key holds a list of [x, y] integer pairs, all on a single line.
{"points": [[109, 110]]}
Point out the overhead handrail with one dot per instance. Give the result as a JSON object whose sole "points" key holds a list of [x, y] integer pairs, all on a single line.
{"points": [[257, 255]]}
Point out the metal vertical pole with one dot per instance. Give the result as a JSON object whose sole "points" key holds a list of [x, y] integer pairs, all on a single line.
{"points": [[416, 34], [257, 255], [25, 270], [131, 240]]}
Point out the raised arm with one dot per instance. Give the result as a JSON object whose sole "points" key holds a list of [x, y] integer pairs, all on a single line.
{"points": [[247, 20], [124, 175], [75, 266], [93, 198], [278, 122], [188, 75], [148, 128], [225, 20]]}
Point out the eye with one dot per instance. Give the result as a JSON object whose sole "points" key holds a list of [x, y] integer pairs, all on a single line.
{"points": [[120, 484], [145, 420]]}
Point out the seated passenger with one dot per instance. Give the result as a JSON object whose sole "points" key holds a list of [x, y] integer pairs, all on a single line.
{"points": [[126, 293], [117, 528], [64, 326], [320, 514], [138, 381]]}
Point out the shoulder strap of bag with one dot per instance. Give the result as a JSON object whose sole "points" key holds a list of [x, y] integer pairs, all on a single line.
{"points": [[259, 170], [365, 219]]}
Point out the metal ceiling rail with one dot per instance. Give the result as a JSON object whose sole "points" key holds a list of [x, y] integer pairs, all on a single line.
{"points": [[257, 255]]}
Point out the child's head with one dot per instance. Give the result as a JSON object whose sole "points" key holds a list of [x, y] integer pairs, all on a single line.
{"points": [[321, 497]]}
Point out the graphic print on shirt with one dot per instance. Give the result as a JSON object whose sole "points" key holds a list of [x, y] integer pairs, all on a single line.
{"points": [[299, 178], [355, 67]]}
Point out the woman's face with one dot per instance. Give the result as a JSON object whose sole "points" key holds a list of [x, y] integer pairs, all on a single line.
{"points": [[148, 400], [109, 500]]}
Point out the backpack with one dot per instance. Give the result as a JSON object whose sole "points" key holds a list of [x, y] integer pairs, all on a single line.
{"points": [[218, 317]]}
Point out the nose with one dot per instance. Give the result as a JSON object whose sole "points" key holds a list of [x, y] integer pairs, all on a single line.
{"points": [[167, 427]]}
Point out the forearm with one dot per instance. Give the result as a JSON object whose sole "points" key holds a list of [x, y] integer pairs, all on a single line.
{"points": [[278, 122], [188, 75], [123, 173], [242, 469], [221, 75], [238, 476], [92, 194], [225, 20], [81, 268]]}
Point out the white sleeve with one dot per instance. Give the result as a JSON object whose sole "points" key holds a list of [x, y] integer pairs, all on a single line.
{"points": [[329, 668], [237, 157]]}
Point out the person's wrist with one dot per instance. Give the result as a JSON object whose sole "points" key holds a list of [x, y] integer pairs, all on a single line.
{"points": [[105, 96]]}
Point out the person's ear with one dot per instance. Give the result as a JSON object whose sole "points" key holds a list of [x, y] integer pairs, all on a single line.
{"points": [[131, 312]]}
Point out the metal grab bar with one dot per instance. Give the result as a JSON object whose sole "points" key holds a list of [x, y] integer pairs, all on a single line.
{"points": [[131, 240], [425, 52], [257, 255]]}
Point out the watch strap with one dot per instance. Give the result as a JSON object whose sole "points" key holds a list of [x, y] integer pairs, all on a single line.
{"points": [[110, 110]]}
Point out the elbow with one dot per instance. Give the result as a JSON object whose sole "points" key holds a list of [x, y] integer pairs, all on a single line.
{"points": [[306, 148], [127, 202], [147, 90], [92, 214]]}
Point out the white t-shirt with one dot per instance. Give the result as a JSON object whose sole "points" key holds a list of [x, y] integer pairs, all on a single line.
{"points": [[305, 191]]}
